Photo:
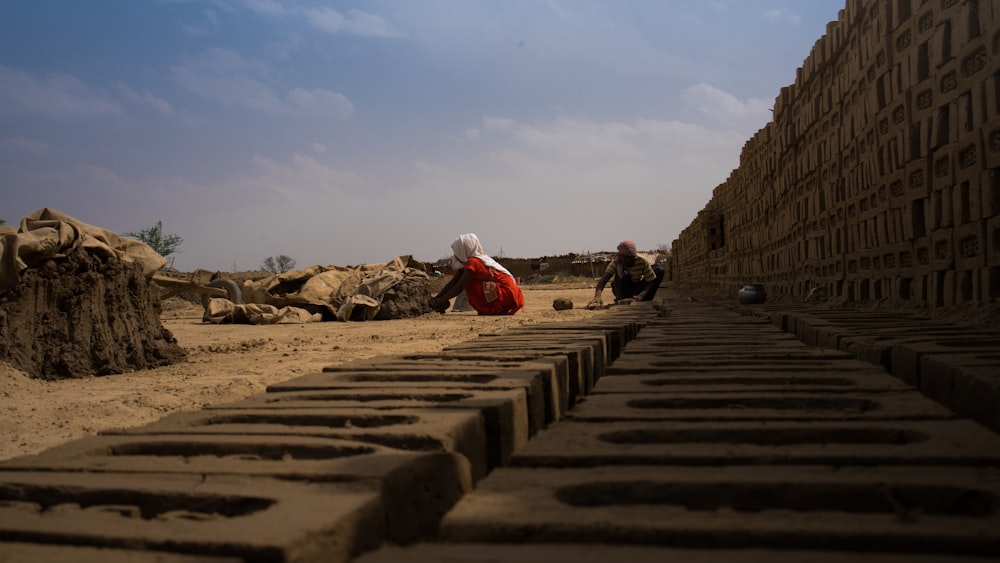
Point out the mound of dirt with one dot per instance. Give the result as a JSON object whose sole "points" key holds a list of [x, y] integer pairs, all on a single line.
{"points": [[84, 315]]}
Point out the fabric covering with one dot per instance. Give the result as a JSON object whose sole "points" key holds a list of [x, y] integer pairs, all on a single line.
{"points": [[348, 293], [47, 233]]}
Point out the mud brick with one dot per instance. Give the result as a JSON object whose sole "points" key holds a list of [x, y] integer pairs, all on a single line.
{"points": [[878, 98], [894, 225], [528, 383], [922, 255], [975, 65], [712, 443], [941, 214], [907, 259], [923, 103], [989, 193], [891, 265], [944, 287], [989, 282], [937, 47], [252, 518], [590, 356], [991, 90], [903, 41], [582, 552], [926, 23], [15, 552], [444, 430], [553, 370], [943, 167], [968, 204], [505, 412], [914, 219], [948, 82], [967, 382], [905, 70], [916, 180], [760, 405], [944, 127], [861, 376], [992, 40], [971, 114], [992, 237], [831, 508], [963, 18], [416, 488], [942, 249], [990, 139], [989, 22], [918, 136], [970, 245]]}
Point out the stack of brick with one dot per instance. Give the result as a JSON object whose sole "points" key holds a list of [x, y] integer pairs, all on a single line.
{"points": [[879, 176]]}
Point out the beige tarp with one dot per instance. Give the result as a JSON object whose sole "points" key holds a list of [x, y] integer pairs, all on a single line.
{"points": [[348, 293], [47, 233], [224, 311]]}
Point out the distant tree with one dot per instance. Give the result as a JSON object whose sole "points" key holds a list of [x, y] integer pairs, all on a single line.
{"points": [[278, 264], [164, 245]]}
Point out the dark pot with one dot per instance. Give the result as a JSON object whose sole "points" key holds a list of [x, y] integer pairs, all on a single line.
{"points": [[752, 294]]}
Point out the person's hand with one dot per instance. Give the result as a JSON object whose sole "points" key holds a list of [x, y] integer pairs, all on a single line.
{"points": [[595, 303], [438, 304]]}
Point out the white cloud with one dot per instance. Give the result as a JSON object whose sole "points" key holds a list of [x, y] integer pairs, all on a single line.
{"points": [[60, 96], [146, 98], [268, 7], [356, 22], [783, 16], [745, 116], [229, 79], [303, 179], [319, 103]]}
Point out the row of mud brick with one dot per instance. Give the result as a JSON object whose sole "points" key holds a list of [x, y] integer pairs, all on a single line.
{"points": [[879, 176], [714, 433]]}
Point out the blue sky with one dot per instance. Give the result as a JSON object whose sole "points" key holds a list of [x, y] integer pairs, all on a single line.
{"points": [[352, 132]]}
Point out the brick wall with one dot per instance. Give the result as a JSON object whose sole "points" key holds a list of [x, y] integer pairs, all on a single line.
{"points": [[879, 176]]}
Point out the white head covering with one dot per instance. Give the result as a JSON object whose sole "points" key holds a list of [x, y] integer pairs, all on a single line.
{"points": [[467, 246]]}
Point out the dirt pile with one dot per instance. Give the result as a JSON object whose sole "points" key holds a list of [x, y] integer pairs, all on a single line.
{"points": [[81, 316]]}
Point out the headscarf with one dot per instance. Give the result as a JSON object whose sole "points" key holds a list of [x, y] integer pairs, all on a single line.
{"points": [[467, 246], [625, 248]]}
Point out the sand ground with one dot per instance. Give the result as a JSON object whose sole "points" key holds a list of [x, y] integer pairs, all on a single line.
{"points": [[227, 363]]}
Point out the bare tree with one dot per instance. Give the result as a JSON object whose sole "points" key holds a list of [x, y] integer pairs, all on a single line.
{"points": [[278, 264]]}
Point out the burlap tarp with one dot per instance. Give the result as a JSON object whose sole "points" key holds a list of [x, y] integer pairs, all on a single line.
{"points": [[348, 293], [47, 234]]}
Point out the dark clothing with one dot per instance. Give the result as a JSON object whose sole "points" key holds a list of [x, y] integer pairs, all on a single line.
{"points": [[626, 288]]}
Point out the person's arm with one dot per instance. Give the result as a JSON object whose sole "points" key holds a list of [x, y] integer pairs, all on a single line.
{"points": [[596, 301], [642, 294], [650, 276], [451, 289]]}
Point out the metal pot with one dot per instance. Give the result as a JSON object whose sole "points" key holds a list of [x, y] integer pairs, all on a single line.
{"points": [[752, 294]]}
